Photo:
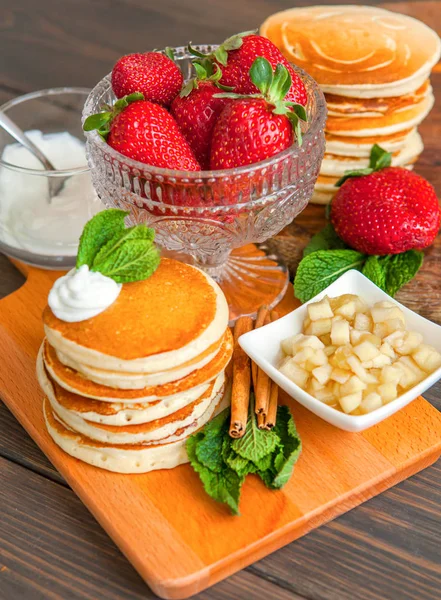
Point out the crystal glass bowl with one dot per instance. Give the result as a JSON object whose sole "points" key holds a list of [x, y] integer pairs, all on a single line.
{"points": [[206, 215]]}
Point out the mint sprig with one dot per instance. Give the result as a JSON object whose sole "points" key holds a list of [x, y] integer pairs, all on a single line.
{"points": [[123, 254], [326, 257], [223, 463]]}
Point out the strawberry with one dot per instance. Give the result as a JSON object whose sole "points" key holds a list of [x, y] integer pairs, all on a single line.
{"points": [[153, 74], [196, 110], [385, 210], [144, 131], [251, 129], [236, 55]]}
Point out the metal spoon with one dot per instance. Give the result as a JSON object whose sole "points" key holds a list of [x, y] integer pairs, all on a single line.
{"points": [[55, 183]]}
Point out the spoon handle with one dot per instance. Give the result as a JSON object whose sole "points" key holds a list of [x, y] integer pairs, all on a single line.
{"points": [[22, 138]]}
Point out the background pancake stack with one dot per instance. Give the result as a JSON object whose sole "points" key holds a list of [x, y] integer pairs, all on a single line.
{"points": [[374, 67], [124, 390]]}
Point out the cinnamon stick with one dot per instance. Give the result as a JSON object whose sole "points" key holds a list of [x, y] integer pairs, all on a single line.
{"points": [[260, 320], [263, 388], [271, 416], [261, 421], [240, 393]]}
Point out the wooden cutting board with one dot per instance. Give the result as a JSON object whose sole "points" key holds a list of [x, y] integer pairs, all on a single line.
{"points": [[179, 539]]}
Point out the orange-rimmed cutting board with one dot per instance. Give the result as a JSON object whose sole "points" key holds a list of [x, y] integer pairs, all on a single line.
{"points": [[180, 540]]}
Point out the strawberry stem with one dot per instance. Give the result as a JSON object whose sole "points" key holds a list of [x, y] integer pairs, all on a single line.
{"points": [[379, 159], [102, 121]]}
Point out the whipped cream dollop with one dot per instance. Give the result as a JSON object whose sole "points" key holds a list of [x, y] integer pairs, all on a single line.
{"points": [[82, 294]]}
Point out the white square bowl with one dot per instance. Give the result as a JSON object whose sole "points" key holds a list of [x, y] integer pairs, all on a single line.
{"points": [[263, 346]]}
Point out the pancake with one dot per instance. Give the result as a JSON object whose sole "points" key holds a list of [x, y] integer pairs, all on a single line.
{"points": [[153, 326], [399, 120], [335, 165], [128, 433], [359, 51], [123, 458], [362, 146], [72, 381], [321, 197]]}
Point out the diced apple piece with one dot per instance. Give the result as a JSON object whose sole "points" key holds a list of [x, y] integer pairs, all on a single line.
{"points": [[387, 350], [314, 385], [384, 304], [323, 373], [306, 324], [411, 373], [335, 386], [303, 354], [363, 322], [326, 339], [385, 313], [427, 358], [329, 350], [394, 339], [318, 358], [320, 310], [319, 327], [373, 339], [380, 361], [350, 402], [340, 356], [371, 402], [311, 341], [359, 370], [340, 375], [354, 384], [340, 332], [366, 350], [290, 342], [347, 310], [394, 325], [391, 374], [409, 342], [295, 373], [388, 392], [381, 330], [356, 336], [325, 395]]}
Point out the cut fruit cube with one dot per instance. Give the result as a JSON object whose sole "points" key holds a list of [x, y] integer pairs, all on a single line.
{"points": [[395, 338], [289, 343], [320, 310], [314, 385], [380, 361], [356, 336], [391, 374], [340, 332], [427, 358], [347, 310], [325, 395], [384, 304], [340, 356], [318, 358], [319, 327], [359, 370], [311, 341], [306, 323], [411, 373], [387, 350], [303, 354], [329, 350], [385, 313], [354, 384], [295, 373], [372, 338], [371, 402], [409, 343], [350, 402], [388, 392], [381, 330], [394, 325], [366, 350], [340, 375], [363, 322], [322, 374]]}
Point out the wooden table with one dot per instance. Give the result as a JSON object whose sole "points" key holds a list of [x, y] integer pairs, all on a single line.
{"points": [[50, 546]]}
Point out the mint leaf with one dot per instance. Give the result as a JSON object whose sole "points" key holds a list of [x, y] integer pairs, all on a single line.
{"points": [[132, 260], [256, 444], [375, 270], [326, 239], [139, 232], [289, 449], [319, 269], [211, 441], [222, 486], [242, 466], [97, 232]]}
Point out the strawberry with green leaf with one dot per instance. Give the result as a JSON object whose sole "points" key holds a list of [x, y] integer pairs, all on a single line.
{"points": [[197, 108], [144, 131], [255, 127]]}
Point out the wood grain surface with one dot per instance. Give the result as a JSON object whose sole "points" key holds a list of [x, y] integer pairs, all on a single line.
{"points": [[386, 549]]}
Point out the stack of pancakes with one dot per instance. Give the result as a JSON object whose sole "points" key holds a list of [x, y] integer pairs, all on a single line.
{"points": [[125, 389], [374, 67]]}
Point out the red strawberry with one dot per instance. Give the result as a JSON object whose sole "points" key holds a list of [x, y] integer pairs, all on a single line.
{"points": [[388, 211], [196, 111], [236, 55], [250, 130], [146, 132], [152, 74]]}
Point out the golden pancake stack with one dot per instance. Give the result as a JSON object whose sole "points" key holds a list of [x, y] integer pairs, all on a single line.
{"points": [[373, 66], [125, 389]]}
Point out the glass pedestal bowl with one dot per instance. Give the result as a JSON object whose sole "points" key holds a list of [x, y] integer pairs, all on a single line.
{"points": [[213, 218]]}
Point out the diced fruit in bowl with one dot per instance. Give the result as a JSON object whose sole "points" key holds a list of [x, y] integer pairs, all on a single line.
{"points": [[356, 358]]}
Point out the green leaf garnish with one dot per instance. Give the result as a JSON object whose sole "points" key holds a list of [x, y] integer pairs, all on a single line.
{"points": [[223, 463], [379, 159], [319, 269], [261, 74], [392, 271], [102, 121], [169, 53], [326, 239], [124, 254]]}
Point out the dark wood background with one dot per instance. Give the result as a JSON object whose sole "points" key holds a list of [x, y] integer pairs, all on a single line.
{"points": [[50, 546]]}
